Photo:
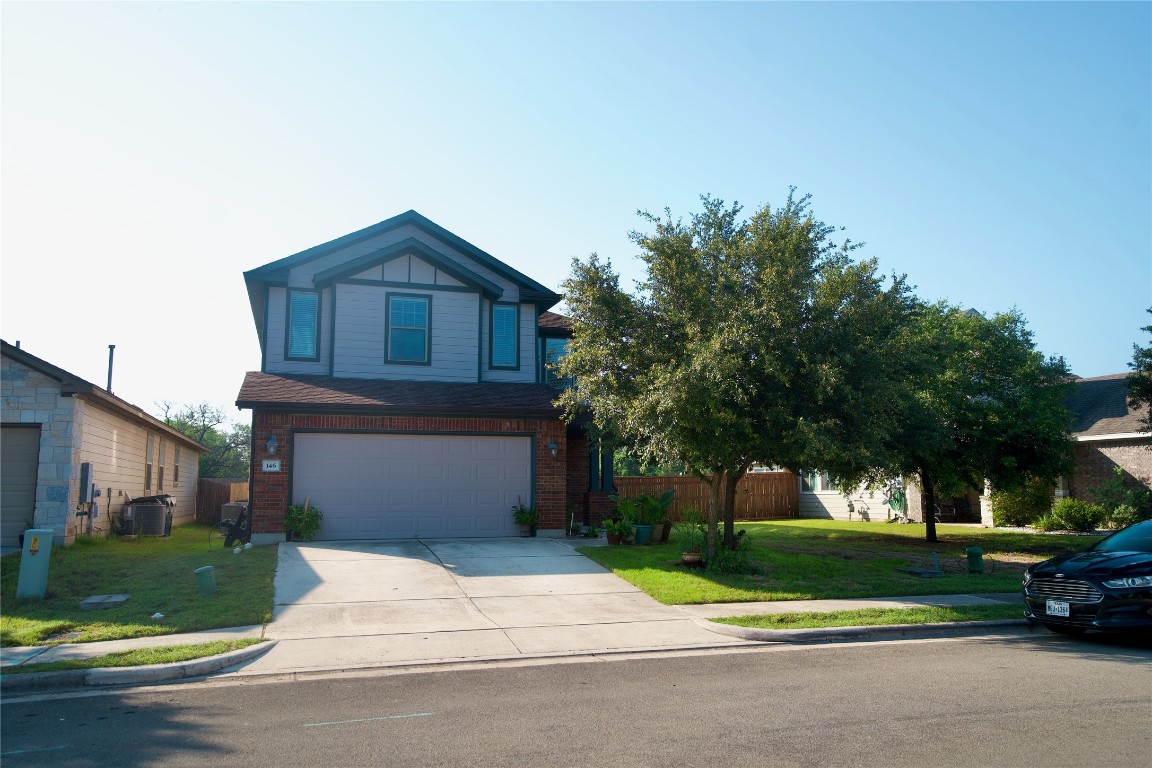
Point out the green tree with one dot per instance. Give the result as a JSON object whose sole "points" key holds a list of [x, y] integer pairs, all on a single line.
{"points": [[750, 341], [228, 444], [1140, 380], [980, 403]]}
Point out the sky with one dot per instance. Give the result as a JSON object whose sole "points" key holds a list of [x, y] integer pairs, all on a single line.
{"points": [[998, 154]]}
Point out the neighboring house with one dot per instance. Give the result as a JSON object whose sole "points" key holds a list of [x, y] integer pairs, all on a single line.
{"points": [[58, 428], [1107, 434], [404, 391]]}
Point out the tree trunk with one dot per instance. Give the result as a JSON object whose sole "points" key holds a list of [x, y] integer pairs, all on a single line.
{"points": [[928, 506], [715, 503], [730, 481]]}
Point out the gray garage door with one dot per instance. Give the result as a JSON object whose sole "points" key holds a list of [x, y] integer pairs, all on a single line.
{"points": [[19, 460], [407, 486]]}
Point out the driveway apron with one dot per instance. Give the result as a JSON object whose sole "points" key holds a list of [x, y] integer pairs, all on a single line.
{"points": [[357, 604]]}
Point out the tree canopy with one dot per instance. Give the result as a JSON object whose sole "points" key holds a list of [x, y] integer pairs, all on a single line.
{"points": [[761, 340], [753, 340], [978, 404], [229, 444]]}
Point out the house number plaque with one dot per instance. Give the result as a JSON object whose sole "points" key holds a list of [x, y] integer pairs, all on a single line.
{"points": [[271, 465]]}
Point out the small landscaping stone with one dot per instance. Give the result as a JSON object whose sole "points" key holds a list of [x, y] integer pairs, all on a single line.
{"points": [[99, 602]]}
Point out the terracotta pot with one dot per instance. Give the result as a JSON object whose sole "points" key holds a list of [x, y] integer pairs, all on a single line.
{"points": [[692, 559]]}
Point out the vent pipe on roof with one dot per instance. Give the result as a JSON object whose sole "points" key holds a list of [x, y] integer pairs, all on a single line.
{"points": [[111, 352]]}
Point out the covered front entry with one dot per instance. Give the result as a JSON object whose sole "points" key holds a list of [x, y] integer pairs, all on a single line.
{"points": [[401, 486]]}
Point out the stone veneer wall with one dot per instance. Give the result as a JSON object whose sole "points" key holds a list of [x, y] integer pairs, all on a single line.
{"points": [[269, 494], [30, 397]]}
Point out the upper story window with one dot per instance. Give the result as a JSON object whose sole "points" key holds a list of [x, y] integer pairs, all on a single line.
{"points": [[303, 324], [408, 328], [505, 336], [554, 349]]}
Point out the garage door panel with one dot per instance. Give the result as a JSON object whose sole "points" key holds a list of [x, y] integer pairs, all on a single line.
{"points": [[401, 486]]}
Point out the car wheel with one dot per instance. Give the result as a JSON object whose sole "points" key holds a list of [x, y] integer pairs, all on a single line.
{"points": [[1064, 629]]}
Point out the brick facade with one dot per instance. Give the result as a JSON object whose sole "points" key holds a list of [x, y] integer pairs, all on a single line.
{"points": [[1096, 460], [269, 497]]}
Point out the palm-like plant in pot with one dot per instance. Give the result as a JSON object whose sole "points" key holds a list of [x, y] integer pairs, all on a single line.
{"points": [[525, 518]]}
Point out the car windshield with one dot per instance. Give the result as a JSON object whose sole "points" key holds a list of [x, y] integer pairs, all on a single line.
{"points": [[1137, 538]]}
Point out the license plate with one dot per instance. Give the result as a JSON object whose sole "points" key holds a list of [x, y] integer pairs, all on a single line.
{"points": [[1056, 608]]}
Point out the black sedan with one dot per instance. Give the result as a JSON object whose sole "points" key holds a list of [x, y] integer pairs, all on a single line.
{"points": [[1106, 587]]}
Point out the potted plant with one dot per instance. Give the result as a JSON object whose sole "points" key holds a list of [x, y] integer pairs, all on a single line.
{"points": [[591, 532], [302, 521], [612, 530], [690, 532], [525, 518]]}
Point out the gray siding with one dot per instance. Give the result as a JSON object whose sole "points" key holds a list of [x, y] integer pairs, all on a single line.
{"points": [[274, 361], [361, 323], [527, 372]]}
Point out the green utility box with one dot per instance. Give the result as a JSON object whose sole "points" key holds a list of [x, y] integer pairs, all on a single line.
{"points": [[34, 560], [206, 579]]}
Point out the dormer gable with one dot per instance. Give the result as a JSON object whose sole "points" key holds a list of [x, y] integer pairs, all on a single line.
{"points": [[374, 267]]}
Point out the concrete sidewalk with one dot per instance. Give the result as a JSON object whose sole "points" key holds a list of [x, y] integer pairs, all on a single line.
{"points": [[366, 605]]}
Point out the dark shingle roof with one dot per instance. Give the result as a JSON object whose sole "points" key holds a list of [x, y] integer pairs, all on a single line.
{"points": [[553, 321], [297, 392], [1100, 407]]}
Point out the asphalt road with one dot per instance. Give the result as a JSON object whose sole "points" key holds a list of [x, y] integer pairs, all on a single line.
{"points": [[1021, 700]]}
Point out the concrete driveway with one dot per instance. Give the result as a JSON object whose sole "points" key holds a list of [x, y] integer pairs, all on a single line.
{"points": [[344, 605]]}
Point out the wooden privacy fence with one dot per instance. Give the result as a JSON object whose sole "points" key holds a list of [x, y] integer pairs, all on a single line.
{"points": [[759, 496], [212, 493]]}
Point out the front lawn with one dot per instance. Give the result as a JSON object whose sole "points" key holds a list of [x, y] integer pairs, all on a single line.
{"points": [[870, 617], [157, 573], [817, 559]]}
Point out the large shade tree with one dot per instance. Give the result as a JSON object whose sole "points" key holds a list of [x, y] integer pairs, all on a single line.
{"points": [[228, 445], [978, 404], [753, 340]]}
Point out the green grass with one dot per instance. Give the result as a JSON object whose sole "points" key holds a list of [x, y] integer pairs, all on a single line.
{"points": [[168, 654], [818, 559], [933, 614], [157, 573]]}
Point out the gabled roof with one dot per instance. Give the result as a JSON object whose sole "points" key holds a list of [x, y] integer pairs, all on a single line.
{"points": [[268, 391], [1099, 407], [71, 384], [406, 246], [278, 270]]}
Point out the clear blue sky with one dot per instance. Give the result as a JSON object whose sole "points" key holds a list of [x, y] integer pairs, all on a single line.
{"points": [[999, 154]]}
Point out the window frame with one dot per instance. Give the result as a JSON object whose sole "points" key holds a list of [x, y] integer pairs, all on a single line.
{"points": [[547, 376], [148, 454], [492, 307], [388, 328], [289, 292]]}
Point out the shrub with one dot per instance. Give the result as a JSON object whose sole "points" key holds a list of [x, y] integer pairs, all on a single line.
{"points": [[1047, 523], [1023, 505], [1078, 515], [1123, 516], [303, 522], [1113, 493], [738, 560]]}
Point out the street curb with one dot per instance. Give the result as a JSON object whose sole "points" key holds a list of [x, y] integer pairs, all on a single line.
{"points": [[152, 673], [829, 634]]}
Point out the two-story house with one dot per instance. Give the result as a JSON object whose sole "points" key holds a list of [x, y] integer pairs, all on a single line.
{"points": [[404, 391]]}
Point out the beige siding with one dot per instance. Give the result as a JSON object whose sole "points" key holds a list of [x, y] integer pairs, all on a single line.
{"points": [[833, 505], [116, 448]]}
